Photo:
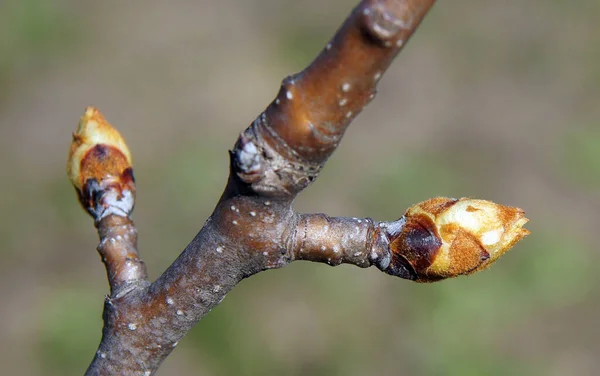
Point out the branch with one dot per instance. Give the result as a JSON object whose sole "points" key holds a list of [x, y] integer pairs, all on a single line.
{"points": [[286, 146], [254, 227], [435, 239], [100, 169]]}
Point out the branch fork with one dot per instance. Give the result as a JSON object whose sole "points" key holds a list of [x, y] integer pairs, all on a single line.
{"points": [[254, 226]]}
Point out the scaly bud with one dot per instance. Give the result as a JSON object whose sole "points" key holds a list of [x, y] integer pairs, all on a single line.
{"points": [[443, 237], [99, 167]]}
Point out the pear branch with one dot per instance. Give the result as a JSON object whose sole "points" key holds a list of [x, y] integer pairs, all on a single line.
{"points": [[254, 226], [99, 167], [284, 149]]}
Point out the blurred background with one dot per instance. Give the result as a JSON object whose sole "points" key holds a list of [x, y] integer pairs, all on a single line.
{"points": [[495, 100]]}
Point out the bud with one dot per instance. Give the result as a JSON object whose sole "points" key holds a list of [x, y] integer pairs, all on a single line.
{"points": [[443, 238], [99, 167]]}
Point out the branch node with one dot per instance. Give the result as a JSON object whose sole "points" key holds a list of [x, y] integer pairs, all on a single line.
{"points": [[264, 161], [384, 20]]}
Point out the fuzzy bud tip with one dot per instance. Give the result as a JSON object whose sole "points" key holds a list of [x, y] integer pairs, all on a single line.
{"points": [[100, 168], [443, 237]]}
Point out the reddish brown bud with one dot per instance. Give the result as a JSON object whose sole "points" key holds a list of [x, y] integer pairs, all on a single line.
{"points": [[99, 167], [442, 237]]}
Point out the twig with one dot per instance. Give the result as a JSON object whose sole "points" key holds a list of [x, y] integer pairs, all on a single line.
{"points": [[254, 226]]}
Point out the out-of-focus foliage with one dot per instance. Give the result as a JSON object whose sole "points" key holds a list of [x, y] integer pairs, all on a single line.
{"points": [[582, 158], [32, 31], [490, 100]]}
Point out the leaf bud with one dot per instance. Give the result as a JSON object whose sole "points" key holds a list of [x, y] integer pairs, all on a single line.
{"points": [[445, 237], [100, 168]]}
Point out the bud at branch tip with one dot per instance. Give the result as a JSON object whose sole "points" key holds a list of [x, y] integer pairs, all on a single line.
{"points": [[100, 168], [444, 237]]}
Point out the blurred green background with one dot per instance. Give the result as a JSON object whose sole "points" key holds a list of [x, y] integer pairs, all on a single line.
{"points": [[495, 100]]}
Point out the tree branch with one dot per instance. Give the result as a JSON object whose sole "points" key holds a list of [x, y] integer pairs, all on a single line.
{"points": [[100, 169], [286, 146], [254, 227]]}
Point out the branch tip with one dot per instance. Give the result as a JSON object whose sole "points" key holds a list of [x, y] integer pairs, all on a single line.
{"points": [[444, 238], [100, 167]]}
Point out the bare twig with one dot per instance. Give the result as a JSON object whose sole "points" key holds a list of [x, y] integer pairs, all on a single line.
{"points": [[254, 226], [100, 169]]}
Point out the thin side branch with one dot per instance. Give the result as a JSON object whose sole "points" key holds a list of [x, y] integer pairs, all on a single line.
{"points": [[118, 249], [100, 169], [254, 227]]}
